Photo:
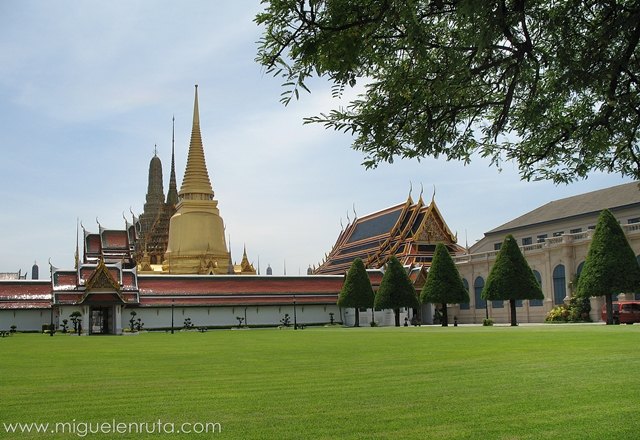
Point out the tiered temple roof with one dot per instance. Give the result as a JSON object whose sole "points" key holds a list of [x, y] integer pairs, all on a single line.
{"points": [[111, 245], [409, 230], [95, 284]]}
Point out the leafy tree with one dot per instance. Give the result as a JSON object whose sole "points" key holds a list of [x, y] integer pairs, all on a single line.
{"points": [[444, 285], [356, 291], [511, 278], [610, 267], [396, 290], [550, 85]]}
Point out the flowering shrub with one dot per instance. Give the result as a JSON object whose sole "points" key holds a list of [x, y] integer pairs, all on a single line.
{"points": [[577, 311], [558, 314]]}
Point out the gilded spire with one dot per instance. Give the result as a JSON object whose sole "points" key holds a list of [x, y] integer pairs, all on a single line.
{"points": [[172, 194], [196, 184]]}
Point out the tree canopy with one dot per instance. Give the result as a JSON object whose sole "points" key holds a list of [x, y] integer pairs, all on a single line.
{"points": [[611, 267], [444, 284], [396, 289], [356, 291], [551, 85], [511, 277]]}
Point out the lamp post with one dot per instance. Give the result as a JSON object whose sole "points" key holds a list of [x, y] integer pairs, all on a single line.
{"points": [[51, 326], [172, 305], [295, 320]]}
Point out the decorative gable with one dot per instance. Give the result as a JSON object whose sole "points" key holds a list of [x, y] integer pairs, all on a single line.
{"points": [[433, 228], [102, 279]]}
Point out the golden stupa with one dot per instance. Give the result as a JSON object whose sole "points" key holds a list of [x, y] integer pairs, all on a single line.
{"points": [[196, 231]]}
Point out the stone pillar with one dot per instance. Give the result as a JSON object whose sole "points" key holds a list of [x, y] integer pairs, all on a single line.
{"points": [[117, 320], [569, 265], [86, 320], [596, 308]]}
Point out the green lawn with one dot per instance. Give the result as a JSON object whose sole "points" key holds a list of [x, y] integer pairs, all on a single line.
{"points": [[529, 382]]}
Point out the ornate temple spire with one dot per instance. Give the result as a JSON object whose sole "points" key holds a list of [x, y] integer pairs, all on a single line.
{"points": [[196, 184], [172, 194], [155, 190]]}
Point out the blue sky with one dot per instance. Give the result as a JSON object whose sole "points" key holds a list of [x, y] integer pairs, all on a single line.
{"points": [[87, 88]]}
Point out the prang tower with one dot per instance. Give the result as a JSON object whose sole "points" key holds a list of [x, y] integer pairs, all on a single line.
{"points": [[196, 232]]}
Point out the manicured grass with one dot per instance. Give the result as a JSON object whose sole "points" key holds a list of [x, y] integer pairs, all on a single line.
{"points": [[535, 382]]}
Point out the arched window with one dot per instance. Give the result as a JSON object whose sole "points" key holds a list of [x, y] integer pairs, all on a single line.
{"points": [[536, 302], [579, 269], [559, 286], [478, 285], [465, 283]]}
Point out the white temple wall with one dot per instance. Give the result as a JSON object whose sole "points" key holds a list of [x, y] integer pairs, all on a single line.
{"points": [[24, 319], [383, 318], [160, 317]]}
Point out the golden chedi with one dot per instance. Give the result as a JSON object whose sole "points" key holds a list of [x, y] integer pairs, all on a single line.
{"points": [[196, 231]]}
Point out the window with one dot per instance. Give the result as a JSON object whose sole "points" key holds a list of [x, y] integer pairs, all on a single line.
{"points": [[478, 285], [526, 241], [579, 269], [558, 234], [518, 303], [591, 228], [633, 220], [497, 246], [465, 306], [575, 231], [559, 287], [541, 238], [536, 302], [497, 304]]}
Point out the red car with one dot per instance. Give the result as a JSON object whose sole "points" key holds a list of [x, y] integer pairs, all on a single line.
{"points": [[624, 312]]}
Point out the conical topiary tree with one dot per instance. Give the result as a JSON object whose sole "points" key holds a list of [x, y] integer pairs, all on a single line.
{"points": [[356, 291], [396, 290], [611, 267], [444, 284], [511, 278]]}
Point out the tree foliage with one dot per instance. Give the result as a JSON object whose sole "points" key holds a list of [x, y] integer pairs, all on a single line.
{"points": [[356, 291], [511, 278], [551, 85], [396, 289], [611, 267], [444, 284]]}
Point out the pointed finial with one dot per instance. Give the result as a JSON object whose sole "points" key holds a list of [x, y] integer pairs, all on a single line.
{"points": [[410, 188], [196, 110], [172, 194], [421, 189], [433, 196], [196, 183], [77, 254], [348, 219], [155, 150], [354, 212]]}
